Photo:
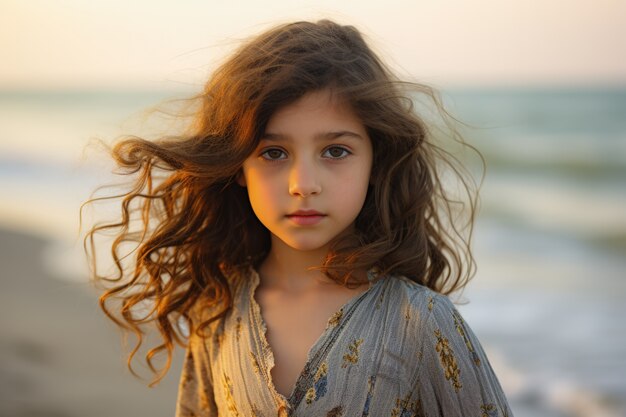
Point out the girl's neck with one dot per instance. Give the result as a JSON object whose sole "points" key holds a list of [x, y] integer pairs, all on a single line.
{"points": [[287, 269]]}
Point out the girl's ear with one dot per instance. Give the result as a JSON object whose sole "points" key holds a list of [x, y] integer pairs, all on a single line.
{"points": [[241, 179]]}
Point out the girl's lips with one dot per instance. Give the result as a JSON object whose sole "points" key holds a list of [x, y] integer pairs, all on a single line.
{"points": [[306, 213], [306, 220]]}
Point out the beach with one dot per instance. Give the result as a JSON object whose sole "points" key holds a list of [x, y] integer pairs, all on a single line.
{"points": [[59, 355]]}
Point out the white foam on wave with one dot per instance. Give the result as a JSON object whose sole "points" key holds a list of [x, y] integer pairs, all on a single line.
{"points": [[536, 396], [556, 149], [567, 396], [558, 206]]}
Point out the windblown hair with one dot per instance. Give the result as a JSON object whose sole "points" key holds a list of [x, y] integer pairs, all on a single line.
{"points": [[196, 225]]}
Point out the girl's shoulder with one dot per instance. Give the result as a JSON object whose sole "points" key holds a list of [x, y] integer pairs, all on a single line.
{"points": [[204, 307], [423, 315], [418, 301]]}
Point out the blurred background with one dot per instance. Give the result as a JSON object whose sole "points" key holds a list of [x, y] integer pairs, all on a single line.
{"points": [[542, 85]]}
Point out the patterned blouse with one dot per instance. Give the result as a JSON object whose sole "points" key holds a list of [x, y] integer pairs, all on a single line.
{"points": [[399, 349]]}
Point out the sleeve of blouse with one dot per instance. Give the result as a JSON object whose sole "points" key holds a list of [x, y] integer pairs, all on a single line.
{"points": [[195, 389], [455, 377]]}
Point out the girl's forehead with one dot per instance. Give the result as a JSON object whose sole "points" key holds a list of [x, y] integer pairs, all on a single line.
{"points": [[324, 104], [315, 118]]}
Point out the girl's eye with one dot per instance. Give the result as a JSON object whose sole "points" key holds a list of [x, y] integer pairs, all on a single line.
{"points": [[336, 152], [273, 154], [333, 152]]}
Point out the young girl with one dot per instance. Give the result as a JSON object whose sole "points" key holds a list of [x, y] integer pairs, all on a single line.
{"points": [[299, 241]]}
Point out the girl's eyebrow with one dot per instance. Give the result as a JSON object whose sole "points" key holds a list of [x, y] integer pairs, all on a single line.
{"points": [[320, 136]]}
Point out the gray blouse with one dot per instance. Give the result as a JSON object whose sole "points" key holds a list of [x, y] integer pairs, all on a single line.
{"points": [[399, 349]]}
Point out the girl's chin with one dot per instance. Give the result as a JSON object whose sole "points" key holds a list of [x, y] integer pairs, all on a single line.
{"points": [[301, 245], [304, 247]]}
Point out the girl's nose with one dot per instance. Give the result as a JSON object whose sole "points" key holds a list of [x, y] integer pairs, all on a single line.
{"points": [[304, 180]]}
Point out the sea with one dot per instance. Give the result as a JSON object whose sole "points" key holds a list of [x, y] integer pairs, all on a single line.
{"points": [[548, 300]]}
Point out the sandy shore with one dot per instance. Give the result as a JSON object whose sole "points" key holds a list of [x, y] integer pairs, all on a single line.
{"points": [[59, 356]]}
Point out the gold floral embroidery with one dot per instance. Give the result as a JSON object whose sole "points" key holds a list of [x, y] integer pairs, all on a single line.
{"points": [[489, 410], [335, 319], [446, 356], [458, 322], [318, 390], [335, 412], [321, 371], [405, 407], [430, 303], [255, 363], [310, 395], [228, 388], [353, 356]]}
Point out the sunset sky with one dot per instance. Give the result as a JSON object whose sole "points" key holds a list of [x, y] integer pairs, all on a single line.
{"points": [[144, 44]]}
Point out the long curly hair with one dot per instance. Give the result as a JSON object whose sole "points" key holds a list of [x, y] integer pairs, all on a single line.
{"points": [[191, 224]]}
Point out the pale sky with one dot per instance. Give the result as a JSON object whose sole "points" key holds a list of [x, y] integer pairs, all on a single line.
{"points": [[142, 43]]}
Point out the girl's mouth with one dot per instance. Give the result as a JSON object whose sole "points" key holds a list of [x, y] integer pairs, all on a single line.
{"points": [[306, 217]]}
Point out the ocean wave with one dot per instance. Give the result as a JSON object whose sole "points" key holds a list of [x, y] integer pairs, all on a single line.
{"points": [[595, 213]]}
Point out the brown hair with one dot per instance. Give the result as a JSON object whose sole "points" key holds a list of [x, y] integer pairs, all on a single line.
{"points": [[196, 225]]}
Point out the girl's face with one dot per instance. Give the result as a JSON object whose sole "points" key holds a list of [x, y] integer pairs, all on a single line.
{"points": [[308, 177]]}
